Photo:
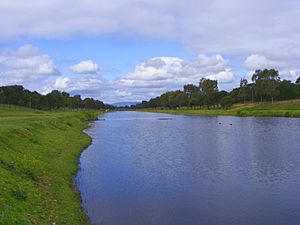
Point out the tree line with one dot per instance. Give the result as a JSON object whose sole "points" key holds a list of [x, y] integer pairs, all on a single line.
{"points": [[18, 95], [266, 86]]}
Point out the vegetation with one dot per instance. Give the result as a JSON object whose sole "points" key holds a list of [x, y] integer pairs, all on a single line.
{"points": [[290, 108], [39, 156], [226, 102], [17, 95], [266, 86]]}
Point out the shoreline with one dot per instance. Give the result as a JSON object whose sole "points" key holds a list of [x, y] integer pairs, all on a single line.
{"points": [[289, 109], [75, 185]]}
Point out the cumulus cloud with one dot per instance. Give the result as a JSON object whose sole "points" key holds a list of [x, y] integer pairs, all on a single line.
{"points": [[265, 31], [25, 64], [85, 67], [204, 26], [173, 72], [256, 61], [61, 83], [85, 84], [150, 78], [288, 68], [226, 76]]}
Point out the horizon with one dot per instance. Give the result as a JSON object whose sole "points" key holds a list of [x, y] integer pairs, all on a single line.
{"points": [[97, 49]]}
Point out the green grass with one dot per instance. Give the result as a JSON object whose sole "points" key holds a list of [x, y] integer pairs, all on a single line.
{"points": [[38, 157], [277, 109]]}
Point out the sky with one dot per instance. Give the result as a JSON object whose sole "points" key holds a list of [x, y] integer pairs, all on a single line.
{"points": [[133, 50]]}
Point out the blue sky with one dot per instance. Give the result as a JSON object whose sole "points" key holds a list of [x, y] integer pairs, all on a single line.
{"points": [[117, 56], [133, 50]]}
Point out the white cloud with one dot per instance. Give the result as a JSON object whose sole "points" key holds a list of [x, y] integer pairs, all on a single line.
{"points": [[266, 31], [256, 61], [214, 26], [174, 72], [85, 84], [25, 64], [61, 82], [226, 76], [288, 67], [150, 78], [85, 67]]}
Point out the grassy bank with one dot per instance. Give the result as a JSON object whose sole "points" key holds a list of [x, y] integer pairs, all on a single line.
{"points": [[38, 157], [279, 109]]}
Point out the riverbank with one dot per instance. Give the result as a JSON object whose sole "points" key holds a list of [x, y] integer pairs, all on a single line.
{"points": [[38, 158], [277, 109]]}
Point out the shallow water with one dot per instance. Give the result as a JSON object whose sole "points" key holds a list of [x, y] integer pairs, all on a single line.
{"points": [[159, 169]]}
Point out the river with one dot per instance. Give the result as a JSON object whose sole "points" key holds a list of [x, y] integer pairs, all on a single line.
{"points": [[159, 169]]}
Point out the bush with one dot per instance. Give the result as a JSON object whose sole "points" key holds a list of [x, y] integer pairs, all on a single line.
{"points": [[226, 102]]}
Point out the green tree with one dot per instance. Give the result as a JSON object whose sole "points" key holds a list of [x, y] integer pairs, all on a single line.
{"points": [[243, 91], [2, 97], [287, 90], [191, 90], [266, 83], [196, 101], [208, 90], [177, 99], [226, 102]]}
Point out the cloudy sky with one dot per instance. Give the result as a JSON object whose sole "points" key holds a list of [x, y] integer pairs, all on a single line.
{"points": [[131, 50]]}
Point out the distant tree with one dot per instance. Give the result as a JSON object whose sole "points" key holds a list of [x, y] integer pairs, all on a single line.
{"points": [[226, 102], [196, 101], [65, 100], [36, 100], [208, 90], [287, 90], [177, 99], [298, 80], [220, 95], [17, 95], [243, 91], [266, 83], [191, 90], [235, 94], [88, 103], [164, 100], [76, 101], [297, 88], [2, 97]]}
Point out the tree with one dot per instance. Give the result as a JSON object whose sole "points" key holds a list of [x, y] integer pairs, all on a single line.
{"points": [[177, 99], [191, 90], [208, 89], [196, 101], [17, 95], [298, 80], [2, 97], [226, 102], [287, 90], [76, 101], [266, 83], [243, 91]]}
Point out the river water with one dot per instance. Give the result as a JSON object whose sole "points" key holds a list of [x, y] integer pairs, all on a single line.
{"points": [[160, 169]]}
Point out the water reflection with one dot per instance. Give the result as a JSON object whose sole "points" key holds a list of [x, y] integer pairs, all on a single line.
{"points": [[142, 169]]}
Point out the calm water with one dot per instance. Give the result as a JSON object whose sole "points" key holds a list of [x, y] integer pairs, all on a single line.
{"points": [[158, 169]]}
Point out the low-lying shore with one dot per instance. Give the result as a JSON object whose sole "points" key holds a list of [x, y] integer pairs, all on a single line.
{"points": [[39, 154], [277, 109]]}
